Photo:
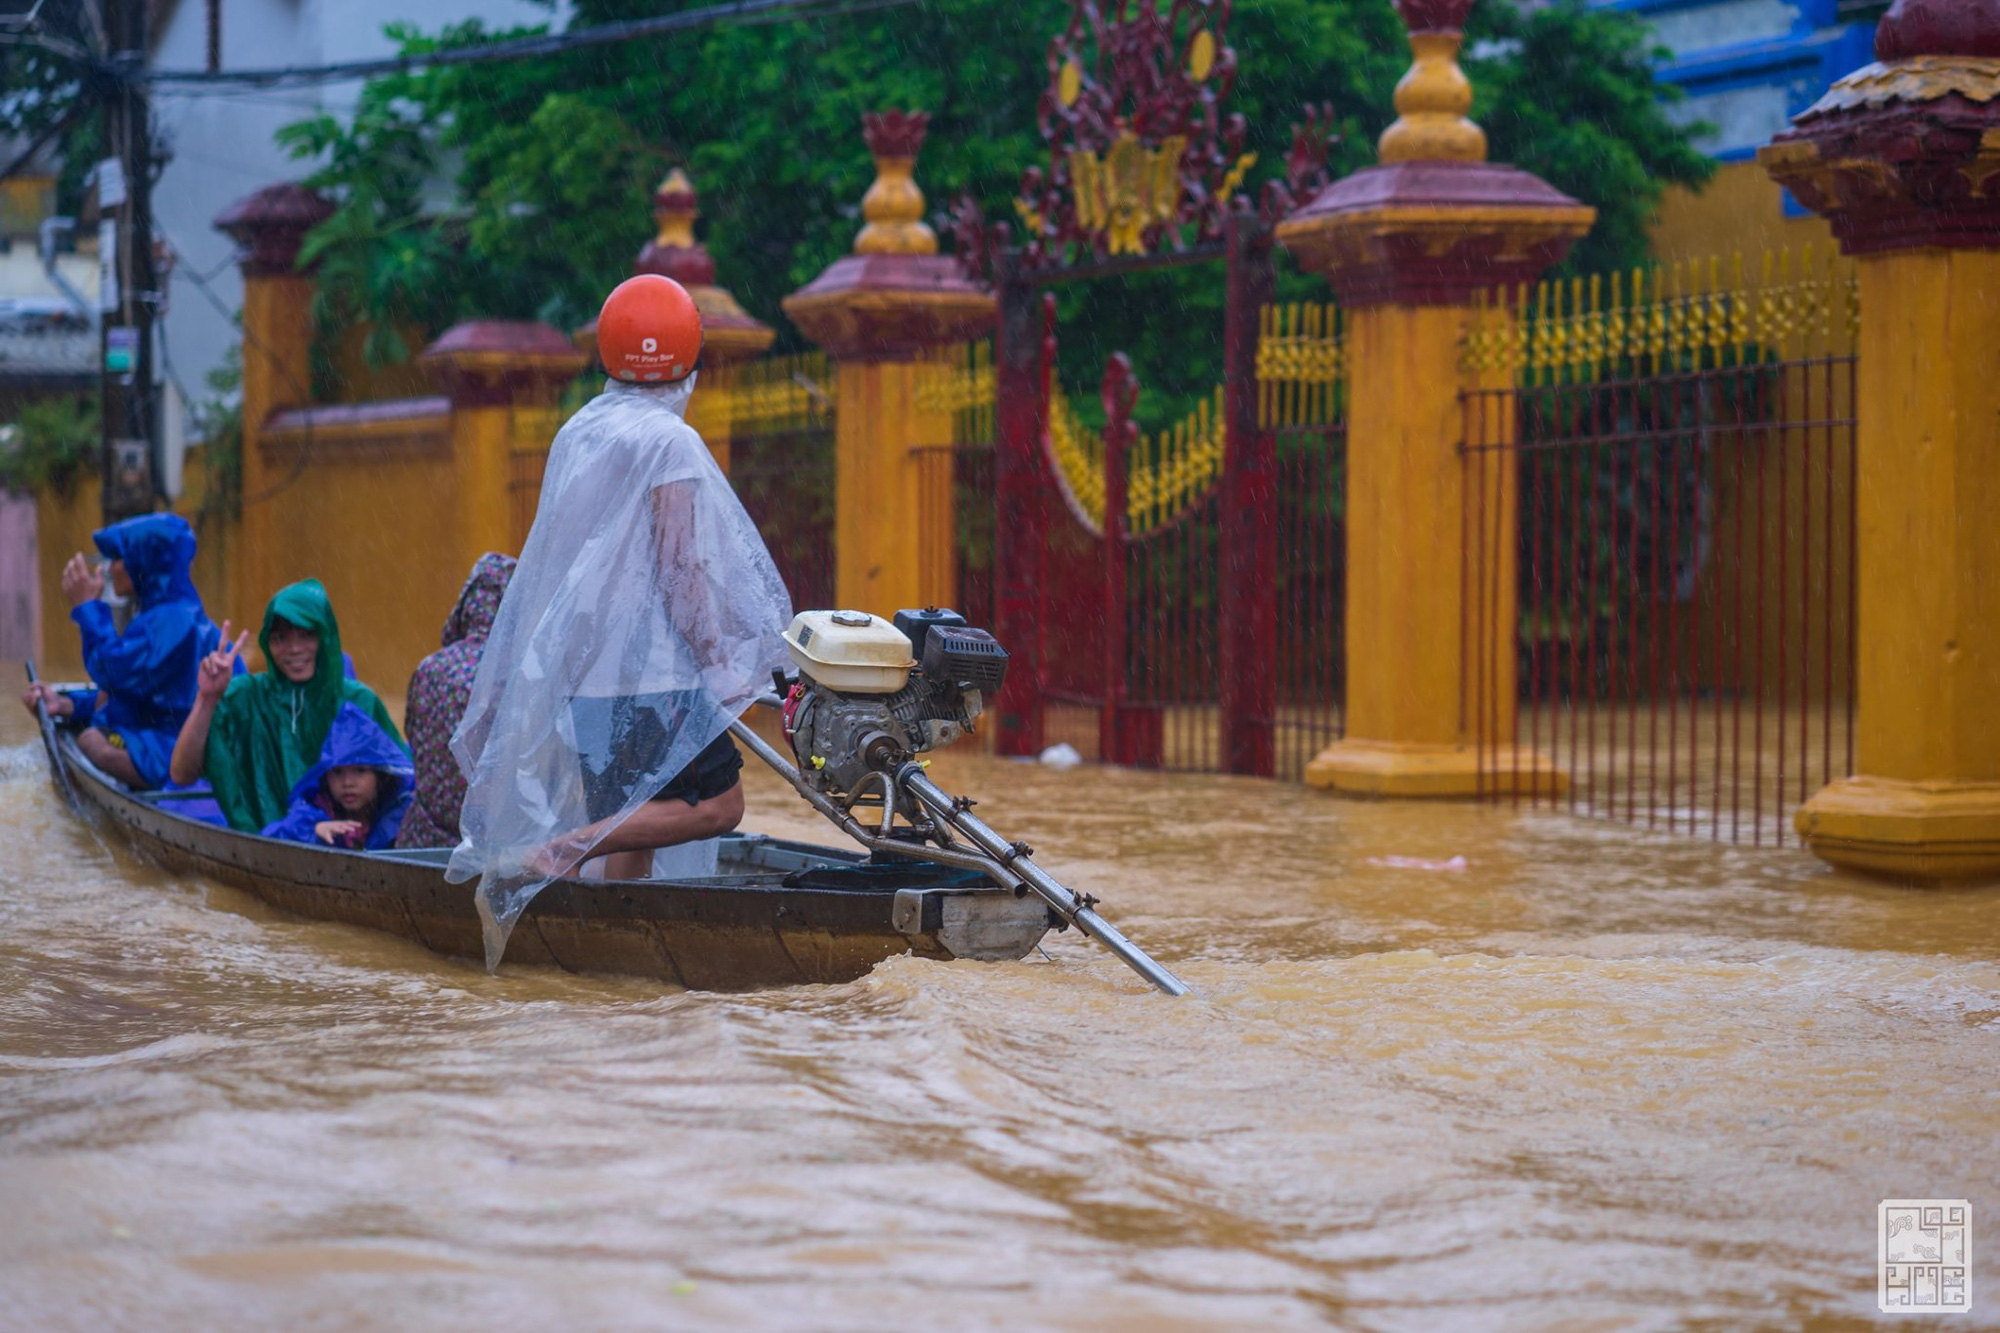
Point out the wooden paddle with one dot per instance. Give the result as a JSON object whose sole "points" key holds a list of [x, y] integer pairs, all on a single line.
{"points": [[58, 770]]}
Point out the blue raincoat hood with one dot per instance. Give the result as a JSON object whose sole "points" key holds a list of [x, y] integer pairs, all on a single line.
{"points": [[147, 671], [157, 550], [357, 739]]}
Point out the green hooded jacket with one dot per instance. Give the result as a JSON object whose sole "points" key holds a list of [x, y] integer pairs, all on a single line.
{"points": [[267, 730]]}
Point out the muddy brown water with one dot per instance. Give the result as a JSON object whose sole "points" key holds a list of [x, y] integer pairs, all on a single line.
{"points": [[1594, 1079]]}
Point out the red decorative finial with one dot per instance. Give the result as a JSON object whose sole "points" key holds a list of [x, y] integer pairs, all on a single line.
{"points": [[271, 225], [1939, 28], [894, 133], [676, 198], [894, 206], [675, 253], [1434, 15], [1899, 154]]}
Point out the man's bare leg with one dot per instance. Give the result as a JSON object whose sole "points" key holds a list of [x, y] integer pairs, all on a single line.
{"points": [[109, 758], [628, 849]]}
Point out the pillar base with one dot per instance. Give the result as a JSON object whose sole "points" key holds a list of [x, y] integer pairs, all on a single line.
{"points": [[1400, 770], [1917, 832]]}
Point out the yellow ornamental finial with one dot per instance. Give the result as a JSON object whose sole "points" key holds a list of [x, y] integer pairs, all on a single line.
{"points": [[675, 209], [1433, 97], [894, 206]]}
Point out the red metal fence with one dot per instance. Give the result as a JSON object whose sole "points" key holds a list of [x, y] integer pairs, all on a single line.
{"points": [[957, 478], [781, 464], [1180, 595], [1675, 587], [1302, 403]]}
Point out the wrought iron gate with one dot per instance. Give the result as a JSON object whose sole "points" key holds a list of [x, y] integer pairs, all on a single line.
{"points": [[1678, 454]]}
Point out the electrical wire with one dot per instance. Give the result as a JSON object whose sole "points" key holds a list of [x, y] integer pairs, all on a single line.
{"points": [[58, 46], [247, 96], [271, 359], [26, 20], [521, 48], [741, 12]]}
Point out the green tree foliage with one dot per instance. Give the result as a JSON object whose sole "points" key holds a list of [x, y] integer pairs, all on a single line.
{"points": [[50, 442], [549, 164], [45, 94], [218, 420], [1574, 102]]}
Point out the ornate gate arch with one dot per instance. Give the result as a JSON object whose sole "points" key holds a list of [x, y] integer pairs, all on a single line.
{"points": [[1138, 578]]}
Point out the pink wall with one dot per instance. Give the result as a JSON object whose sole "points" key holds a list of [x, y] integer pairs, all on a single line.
{"points": [[20, 586]]}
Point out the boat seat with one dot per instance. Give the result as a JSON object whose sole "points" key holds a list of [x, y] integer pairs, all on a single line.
{"points": [[736, 847], [429, 856]]}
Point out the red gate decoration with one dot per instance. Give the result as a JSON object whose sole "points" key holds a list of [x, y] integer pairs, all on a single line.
{"points": [[1138, 582], [1139, 154]]}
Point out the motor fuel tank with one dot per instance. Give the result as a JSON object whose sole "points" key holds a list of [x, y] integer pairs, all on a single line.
{"points": [[850, 651]]}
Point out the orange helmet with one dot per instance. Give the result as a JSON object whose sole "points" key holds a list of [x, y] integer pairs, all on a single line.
{"points": [[649, 330]]}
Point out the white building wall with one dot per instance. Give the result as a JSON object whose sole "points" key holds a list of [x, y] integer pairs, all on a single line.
{"points": [[222, 140]]}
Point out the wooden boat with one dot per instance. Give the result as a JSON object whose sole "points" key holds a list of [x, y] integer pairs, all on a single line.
{"points": [[779, 913]]}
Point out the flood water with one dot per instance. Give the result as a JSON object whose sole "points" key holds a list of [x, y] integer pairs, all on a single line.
{"points": [[1595, 1079]]}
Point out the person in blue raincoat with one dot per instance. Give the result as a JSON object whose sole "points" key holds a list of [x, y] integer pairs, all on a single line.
{"points": [[144, 678], [358, 792]]}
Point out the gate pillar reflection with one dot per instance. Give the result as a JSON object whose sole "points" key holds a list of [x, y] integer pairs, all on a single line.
{"points": [[1406, 245], [875, 312], [1903, 158]]}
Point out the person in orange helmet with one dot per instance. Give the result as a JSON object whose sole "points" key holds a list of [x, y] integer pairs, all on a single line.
{"points": [[643, 616]]}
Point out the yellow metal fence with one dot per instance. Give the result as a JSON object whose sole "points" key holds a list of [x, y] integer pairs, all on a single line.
{"points": [[1692, 316], [1301, 365], [778, 393]]}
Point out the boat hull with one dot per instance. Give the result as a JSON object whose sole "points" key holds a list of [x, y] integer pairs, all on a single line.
{"points": [[781, 913]]}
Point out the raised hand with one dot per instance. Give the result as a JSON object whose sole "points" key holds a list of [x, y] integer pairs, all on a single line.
{"points": [[81, 583], [219, 666], [58, 703], [331, 831]]}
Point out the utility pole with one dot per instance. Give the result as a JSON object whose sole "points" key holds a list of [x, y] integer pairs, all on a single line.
{"points": [[129, 397]]}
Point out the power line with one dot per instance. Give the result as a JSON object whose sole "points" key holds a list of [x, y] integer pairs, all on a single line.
{"points": [[277, 363], [43, 41], [197, 83], [521, 48]]}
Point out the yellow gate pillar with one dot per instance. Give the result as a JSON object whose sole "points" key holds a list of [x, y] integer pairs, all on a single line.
{"points": [[875, 312], [1406, 246], [1903, 158], [729, 334], [268, 228], [500, 374]]}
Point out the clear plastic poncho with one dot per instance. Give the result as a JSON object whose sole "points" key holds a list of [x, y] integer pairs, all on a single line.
{"points": [[644, 615]]}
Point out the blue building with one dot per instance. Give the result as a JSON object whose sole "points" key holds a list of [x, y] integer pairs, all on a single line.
{"points": [[1747, 67]]}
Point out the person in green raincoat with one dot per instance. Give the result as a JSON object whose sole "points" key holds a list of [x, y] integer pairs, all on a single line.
{"points": [[254, 736]]}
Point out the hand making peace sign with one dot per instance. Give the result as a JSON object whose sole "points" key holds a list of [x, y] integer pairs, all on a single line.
{"points": [[219, 666]]}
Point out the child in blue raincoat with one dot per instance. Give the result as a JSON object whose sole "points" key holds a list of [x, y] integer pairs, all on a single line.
{"points": [[356, 795], [144, 678]]}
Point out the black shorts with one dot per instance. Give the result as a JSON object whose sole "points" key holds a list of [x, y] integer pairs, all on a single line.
{"points": [[633, 734], [711, 773]]}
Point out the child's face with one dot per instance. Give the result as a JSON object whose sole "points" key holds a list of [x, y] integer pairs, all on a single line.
{"points": [[353, 788], [121, 581], [294, 651]]}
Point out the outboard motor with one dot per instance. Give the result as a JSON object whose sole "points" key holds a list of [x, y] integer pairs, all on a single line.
{"points": [[872, 694], [869, 697]]}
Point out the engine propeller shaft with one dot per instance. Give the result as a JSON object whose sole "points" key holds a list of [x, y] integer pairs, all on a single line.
{"points": [[1003, 862]]}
